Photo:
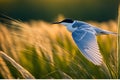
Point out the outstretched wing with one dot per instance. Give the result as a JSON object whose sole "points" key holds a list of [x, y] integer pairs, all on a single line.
{"points": [[87, 43]]}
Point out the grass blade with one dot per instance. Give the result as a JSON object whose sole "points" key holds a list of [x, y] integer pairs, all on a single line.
{"points": [[4, 70], [118, 60], [23, 71]]}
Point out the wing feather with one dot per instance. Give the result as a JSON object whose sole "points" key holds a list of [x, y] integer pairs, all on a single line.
{"points": [[87, 44]]}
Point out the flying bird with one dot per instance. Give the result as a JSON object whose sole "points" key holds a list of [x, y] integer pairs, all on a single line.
{"points": [[84, 35]]}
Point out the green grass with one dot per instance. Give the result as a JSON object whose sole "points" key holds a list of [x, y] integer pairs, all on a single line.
{"points": [[48, 51]]}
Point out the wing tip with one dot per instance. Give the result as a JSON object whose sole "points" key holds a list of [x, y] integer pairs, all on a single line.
{"points": [[98, 63]]}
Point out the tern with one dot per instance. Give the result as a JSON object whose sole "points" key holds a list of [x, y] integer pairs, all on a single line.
{"points": [[84, 35]]}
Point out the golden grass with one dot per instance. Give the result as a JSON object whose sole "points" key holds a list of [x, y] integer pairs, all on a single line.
{"points": [[54, 51], [23, 71], [4, 70], [118, 42]]}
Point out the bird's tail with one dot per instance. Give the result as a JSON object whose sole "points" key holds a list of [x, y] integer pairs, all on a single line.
{"points": [[103, 32], [108, 32]]}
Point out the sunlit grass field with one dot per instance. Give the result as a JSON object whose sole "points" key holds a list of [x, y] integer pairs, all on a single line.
{"points": [[48, 51]]}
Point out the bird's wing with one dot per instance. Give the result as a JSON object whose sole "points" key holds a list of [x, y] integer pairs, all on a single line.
{"points": [[87, 43]]}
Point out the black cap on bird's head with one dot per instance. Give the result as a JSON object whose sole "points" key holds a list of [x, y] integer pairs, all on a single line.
{"points": [[68, 20]]}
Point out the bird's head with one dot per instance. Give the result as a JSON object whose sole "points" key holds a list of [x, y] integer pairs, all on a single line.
{"points": [[65, 22], [68, 23]]}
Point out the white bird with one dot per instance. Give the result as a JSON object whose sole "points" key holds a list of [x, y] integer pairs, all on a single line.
{"points": [[84, 36]]}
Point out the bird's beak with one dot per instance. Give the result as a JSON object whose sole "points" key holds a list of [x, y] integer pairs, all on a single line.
{"points": [[56, 22]]}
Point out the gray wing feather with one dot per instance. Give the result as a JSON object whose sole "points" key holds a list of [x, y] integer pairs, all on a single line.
{"points": [[87, 43]]}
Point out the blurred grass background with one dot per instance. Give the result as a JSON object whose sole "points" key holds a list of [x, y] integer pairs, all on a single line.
{"points": [[47, 51]]}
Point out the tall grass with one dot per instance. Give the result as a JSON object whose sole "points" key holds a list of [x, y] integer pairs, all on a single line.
{"points": [[48, 51], [119, 42]]}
